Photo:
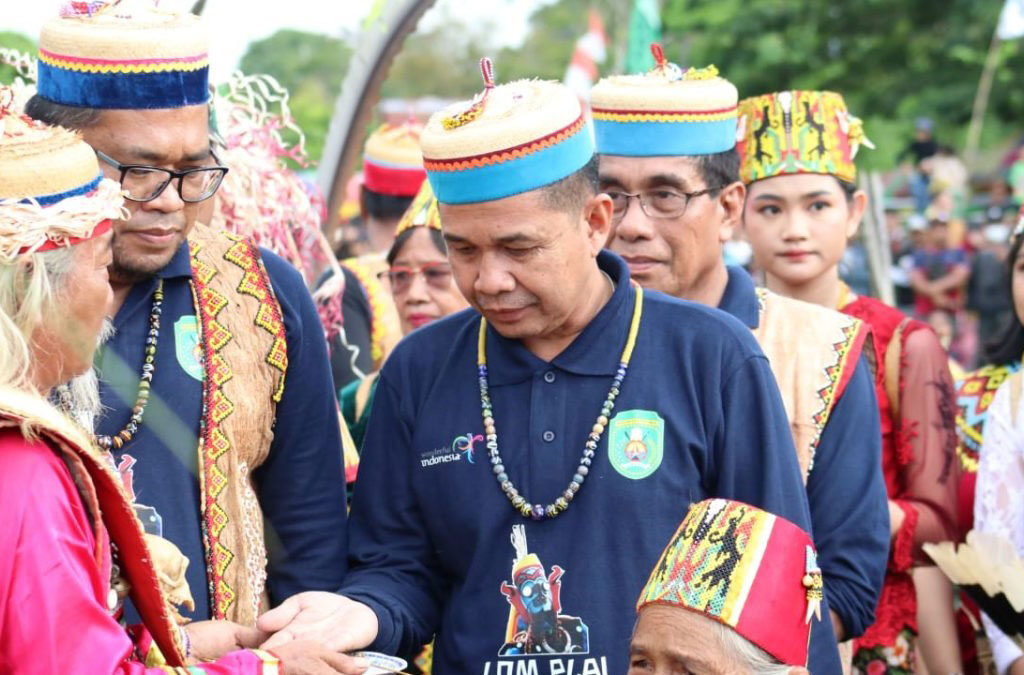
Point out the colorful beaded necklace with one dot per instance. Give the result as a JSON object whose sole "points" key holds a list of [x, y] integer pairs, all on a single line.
{"points": [[519, 503], [118, 440]]}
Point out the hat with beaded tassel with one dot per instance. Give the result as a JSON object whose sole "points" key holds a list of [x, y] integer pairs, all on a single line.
{"points": [[123, 54], [798, 132], [52, 193], [749, 570], [510, 139], [667, 112]]}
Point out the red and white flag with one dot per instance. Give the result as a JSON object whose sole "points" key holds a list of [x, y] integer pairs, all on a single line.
{"points": [[590, 50]]}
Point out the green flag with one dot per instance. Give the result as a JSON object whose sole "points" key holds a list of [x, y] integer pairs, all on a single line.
{"points": [[644, 28]]}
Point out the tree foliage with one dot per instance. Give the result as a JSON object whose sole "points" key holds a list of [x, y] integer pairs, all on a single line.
{"points": [[893, 60], [311, 67]]}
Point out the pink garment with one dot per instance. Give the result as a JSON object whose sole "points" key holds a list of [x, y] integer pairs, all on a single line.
{"points": [[53, 594]]}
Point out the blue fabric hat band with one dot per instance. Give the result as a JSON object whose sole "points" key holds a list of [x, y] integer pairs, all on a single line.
{"points": [[126, 91], [49, 200], [664, 139], [492, 180]]}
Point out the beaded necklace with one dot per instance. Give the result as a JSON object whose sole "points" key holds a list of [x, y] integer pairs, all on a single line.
{"points": [[118, 440], [519, 503]]}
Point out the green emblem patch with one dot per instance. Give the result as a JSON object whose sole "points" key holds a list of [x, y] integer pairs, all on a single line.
{"points": [[186, 346], [636, 443]]}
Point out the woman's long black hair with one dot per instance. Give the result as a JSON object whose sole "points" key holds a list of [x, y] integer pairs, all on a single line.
{"points": [[1009, 346]]}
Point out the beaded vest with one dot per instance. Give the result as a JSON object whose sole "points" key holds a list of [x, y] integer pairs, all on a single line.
{"points": [[813, 352], [107, 506], [245, 359]]}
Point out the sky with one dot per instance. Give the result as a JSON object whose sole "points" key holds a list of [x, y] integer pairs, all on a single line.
{"points": [[235, 23]]}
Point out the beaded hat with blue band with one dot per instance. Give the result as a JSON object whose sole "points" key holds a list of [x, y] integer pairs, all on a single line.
{"points": [[510, 139], [669, 112], [52, 193], [110, 55]]}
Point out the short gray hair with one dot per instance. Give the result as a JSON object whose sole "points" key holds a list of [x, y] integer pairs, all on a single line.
{"points": [[757, 660]]}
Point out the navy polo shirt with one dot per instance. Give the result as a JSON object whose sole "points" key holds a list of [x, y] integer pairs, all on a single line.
{"points": [[845, 489], [699, 415], [301, 485]]}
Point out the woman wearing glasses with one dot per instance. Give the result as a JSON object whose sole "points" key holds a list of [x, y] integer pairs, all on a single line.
{"points": [[421, 284]]}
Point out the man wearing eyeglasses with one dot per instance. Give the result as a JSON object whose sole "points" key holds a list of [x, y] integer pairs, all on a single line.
{"points": [[221, 415], [669, 163]]}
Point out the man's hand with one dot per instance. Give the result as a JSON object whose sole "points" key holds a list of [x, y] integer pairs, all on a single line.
{"points": [[213, 639], [328, 618], [310, 658]]}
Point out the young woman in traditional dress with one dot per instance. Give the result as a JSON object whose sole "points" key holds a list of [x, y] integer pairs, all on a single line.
{"points": [[802, 208]]}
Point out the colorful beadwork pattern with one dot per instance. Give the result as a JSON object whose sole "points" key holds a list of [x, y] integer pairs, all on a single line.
{"points": [[376, 297], [131, 66], [974, 396], [213, 442], [798, 132], [268, 317], [712, 560]]}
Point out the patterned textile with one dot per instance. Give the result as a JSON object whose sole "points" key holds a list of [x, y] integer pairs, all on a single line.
{"points": [[897, 659], [798, 132], [745, 568], [245, 359]]}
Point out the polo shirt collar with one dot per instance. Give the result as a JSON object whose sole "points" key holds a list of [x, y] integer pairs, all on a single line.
{"points": [[740, 298]]}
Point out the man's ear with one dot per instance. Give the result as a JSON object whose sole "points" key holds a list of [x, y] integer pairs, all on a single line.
{"points": [[730, 202], [597, 214]]}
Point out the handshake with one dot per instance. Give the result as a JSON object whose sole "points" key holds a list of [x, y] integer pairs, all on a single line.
{"points": [[309, 633]]}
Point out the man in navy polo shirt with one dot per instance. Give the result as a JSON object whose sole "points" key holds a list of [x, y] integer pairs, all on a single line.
{"points": [[684, 171], [527, 460], [220, 411]]}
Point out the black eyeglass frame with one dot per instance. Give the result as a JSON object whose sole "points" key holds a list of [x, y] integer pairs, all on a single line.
{"points": [[641, 198], [180, 175]]}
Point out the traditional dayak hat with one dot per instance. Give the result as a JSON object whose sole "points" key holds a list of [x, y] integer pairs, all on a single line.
{"points": [[126, 55], [392, 160], [423, 212], [510, 139], [750, 570], [52, 192], [798, 132], [666, 112]]}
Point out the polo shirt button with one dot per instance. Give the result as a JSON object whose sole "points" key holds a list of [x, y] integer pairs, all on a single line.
{"points": [[548, 436], [549, 376]]}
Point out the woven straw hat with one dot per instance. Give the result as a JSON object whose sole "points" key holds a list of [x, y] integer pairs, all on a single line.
{"points": [[666, 112], [392, 160], [129, 55], [51, 190], [510, 139]]}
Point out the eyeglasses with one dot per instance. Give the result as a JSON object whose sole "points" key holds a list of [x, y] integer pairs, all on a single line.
{"points": [[145, 183], [437, 275], [661, 203]]}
